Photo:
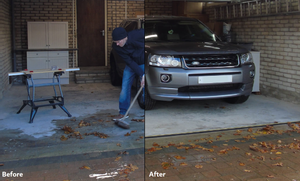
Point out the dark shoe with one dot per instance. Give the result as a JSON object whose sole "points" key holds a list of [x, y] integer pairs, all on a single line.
{"points": [[120, 116]]}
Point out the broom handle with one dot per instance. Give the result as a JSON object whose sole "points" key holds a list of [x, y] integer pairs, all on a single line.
{"points": [[133, 101]]}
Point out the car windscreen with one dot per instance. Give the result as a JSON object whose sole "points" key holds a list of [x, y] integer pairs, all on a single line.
{"points": [[177, 30]]}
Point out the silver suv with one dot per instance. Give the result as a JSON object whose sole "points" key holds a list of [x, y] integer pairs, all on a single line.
{"points": [[185, 60]]}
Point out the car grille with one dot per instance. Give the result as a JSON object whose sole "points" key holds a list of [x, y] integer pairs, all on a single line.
{"points": [[211, 61], [208, 88]]}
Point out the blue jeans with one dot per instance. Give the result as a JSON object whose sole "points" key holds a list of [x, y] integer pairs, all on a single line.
{"points": [[125, 96]]}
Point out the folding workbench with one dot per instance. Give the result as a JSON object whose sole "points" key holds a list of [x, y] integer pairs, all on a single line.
{"points": [[56, 100]]}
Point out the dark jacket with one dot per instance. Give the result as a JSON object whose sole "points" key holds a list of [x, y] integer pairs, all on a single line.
{"points": [[133, 51]]}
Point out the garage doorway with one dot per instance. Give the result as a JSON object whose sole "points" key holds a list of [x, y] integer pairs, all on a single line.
{"points": [[91, 39]]}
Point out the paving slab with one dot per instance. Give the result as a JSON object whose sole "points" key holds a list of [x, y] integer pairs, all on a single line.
{"points": [[258, 153]]}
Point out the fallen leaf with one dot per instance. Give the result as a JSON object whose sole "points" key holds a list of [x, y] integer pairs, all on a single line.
{"points": [[248, 154], [180, 147], [127, 134], [179, 157], [138, 120], [278, 153], [153, 149], [123, 153], [166, 165], [67, 129], [155, 144], [242, 164], [250, 130], [132, 167], [85, 167], [118, 158], [235, 148], [1, 164], [183, 164], [279, 141], [276, 158], [133, 131], [224, 151], [262, 158], [270, 176], [263, 144], [118, 144], [63, 138], [278, 164], [83, 123], [210, 141], [254, 148], [199, 166], [100, 135], [247, 171]]}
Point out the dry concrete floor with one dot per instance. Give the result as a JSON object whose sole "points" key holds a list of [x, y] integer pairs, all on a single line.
{"points": [[180, 117]]}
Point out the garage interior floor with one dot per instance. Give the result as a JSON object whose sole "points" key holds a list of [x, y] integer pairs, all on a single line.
{"points": [[178, 116]]}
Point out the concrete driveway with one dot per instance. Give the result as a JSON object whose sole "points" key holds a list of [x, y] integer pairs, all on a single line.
{"points": [[92, 103], [179, 117]]}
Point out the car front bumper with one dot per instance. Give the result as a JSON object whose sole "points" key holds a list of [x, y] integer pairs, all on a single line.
{"points": [[186, 84]]}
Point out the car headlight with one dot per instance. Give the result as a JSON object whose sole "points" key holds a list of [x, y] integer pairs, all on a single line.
{"points": [[246, 58], [164, 61]]}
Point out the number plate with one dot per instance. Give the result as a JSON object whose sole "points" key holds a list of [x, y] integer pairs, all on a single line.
{"points": [[214, 79]]}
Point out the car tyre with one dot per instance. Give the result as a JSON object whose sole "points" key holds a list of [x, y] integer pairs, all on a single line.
{"points": [[237, 100], [147, 103], [115, 79]]}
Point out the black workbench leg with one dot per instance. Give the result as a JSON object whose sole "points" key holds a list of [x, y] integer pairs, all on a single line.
{"points": [[32, 114], [52, 102], [24, 104], [64, 109]]}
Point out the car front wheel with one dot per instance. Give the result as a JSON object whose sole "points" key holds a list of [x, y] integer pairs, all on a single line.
{"points": [[145, 102]]}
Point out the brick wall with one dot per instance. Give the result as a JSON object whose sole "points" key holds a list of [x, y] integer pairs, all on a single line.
{"points": [[40, 10], [5, 45], [158, 7], [278, 40], [117, 11], [61, 10]]}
